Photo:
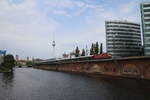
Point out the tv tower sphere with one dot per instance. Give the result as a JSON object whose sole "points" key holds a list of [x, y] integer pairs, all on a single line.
{"points": [[53, 44]]}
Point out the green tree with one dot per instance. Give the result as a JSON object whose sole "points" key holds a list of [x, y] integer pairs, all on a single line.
{"points": [[19, 64], [92, 49], [96, 48], [9, 62], [83, 52], [29, 63], [101, 48], [77, 52]]}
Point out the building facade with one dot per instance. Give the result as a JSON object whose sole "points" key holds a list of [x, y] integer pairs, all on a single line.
{"points": [[123, 38], [17, 57], [145, 18]]}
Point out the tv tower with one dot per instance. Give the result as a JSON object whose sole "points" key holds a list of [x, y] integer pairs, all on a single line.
{"points": [[53, 45]]}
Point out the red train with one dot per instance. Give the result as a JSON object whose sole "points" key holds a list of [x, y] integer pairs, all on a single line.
{"points": [[81, 58], [91, 57], [105, 55]]}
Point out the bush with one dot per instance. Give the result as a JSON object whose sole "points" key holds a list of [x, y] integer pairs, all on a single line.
{"points": [[29, 63], [9, 62]]}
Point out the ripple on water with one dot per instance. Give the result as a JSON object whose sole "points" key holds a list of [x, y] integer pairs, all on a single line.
{"points": [[34, 84]]}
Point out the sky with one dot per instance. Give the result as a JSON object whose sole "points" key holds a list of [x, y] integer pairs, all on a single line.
{"points": [[28, 27]]}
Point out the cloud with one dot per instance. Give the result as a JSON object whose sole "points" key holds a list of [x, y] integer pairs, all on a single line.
{"points": [[85, 37], [61, 12], [24, 30], [26, 26], [68, 7], [89, 6], [124, 11], [129, 10], [59, 3]]}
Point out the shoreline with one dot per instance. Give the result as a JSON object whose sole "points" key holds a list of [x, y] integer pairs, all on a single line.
{"points": [[97, 75], [130, 67]]}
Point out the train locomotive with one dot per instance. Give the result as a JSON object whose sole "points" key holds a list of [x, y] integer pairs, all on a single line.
{"points": [[76, 59], [91, 57]]}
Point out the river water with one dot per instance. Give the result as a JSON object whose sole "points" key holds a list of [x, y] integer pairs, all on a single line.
{"points": [[35, 84]]}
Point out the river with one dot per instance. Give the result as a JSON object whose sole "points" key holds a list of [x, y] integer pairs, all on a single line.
{"points": [[35, 84]]}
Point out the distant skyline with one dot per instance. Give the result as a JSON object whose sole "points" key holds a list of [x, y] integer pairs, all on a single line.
{"points": [[27, 26]]}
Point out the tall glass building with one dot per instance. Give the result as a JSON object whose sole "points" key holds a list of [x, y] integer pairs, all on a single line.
{"points": [[145, 17], [123, 38]]}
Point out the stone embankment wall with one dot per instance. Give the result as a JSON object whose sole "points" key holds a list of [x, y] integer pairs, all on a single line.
{"points": [[131, 67]]}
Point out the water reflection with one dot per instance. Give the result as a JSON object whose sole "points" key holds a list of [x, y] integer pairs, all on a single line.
{"points": [[6, 85], [126, 89], [7, 78], [33, 84]]}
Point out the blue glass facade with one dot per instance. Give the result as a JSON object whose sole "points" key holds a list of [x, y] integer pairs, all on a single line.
{"points": [[145, 18]]}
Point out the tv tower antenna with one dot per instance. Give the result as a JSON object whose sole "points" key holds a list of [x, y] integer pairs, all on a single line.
{"points": [[53, 45]]}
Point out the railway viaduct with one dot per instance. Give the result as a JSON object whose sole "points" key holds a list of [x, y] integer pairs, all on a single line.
{"points": [[131, 67]]}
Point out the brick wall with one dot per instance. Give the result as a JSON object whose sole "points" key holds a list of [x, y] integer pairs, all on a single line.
{"points": [[132, 68]]}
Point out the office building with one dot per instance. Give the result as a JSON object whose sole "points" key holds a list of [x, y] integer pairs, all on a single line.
{"points": [[123, 38], [17, 57], [145, 18]]}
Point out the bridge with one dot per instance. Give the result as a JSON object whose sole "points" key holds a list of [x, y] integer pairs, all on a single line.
{"points": [[131, 67]]}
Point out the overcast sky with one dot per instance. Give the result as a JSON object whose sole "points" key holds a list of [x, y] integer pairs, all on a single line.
{"points": [[27, 26]]}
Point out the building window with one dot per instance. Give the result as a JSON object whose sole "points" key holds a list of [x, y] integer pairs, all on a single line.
{"points": [[147, 10], [147, 30], [147, 20], [147, 35], [147, 45], [147, 5], [147, 25], [146, 15]]}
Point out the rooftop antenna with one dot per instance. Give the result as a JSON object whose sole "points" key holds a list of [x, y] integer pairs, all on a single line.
{"points": [[53, 45]]}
